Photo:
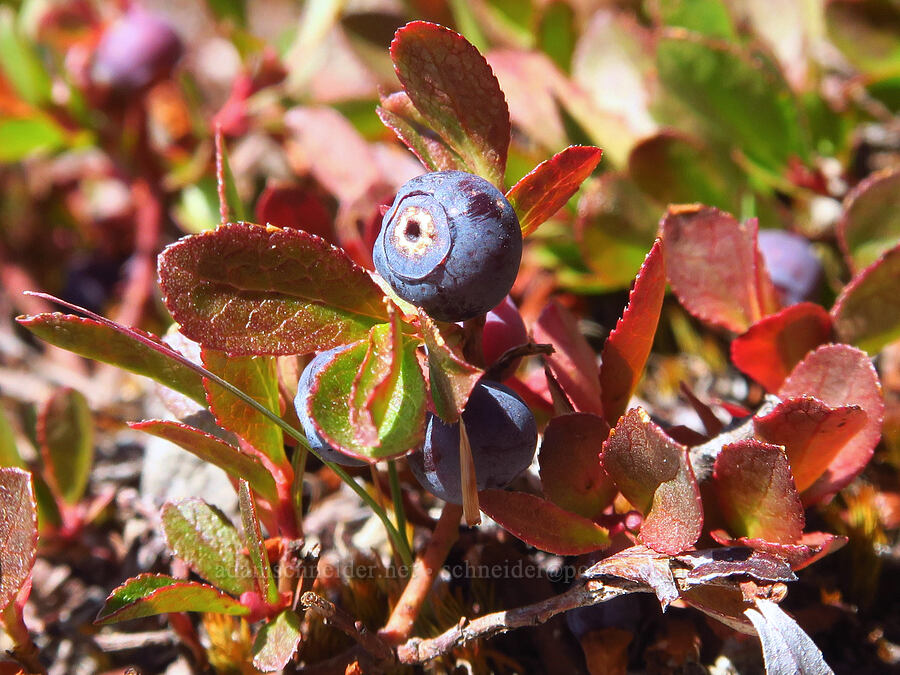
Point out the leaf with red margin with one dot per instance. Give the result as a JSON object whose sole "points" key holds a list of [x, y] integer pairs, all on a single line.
{"points": [[66, 437], [756, 492], [714, 267], [772, 346], [456, 92], [450, 376], [867, 312], [150, 594], [257, 377], [840, 375], [811, 432], [277, 641], [653, 473], [256, 546], [628, 346], [18, 531], [809, 548], [547, 188], [573, 362], [245, 289], [870, 225], [398, 114], [543, 524], [215, 451], [571, 474]]}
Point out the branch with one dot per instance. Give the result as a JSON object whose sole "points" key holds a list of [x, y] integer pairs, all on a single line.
{"points": [[344, 622]]}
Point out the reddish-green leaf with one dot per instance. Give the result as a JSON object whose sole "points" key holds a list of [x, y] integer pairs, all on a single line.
{"points": [[544, 191], [245, 289], [376, 381], [257, 377], [451, 377], [454, 89], [256, 545], [398, 114], [18, 531], [572, 362], [543, 524], [9, 450], [215, 451], [571, 474], [756, 492], [203, 537], [839, 375], [403, 418], [628, 346], [714, 266], [870, 225], [812, 434], [66, 435], [277, 641], [867, 312], [772, 346], [653, 473], [102, 342], [150, 594]]}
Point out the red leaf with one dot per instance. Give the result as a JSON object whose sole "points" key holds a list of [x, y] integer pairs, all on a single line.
{"points": [[399, 115], [18, 531], [811, 432], [543, 524], [809, 548], [840, 375], [714, 266], [544, 191], [772, 346], [653, 473], [454, 89], [245, 289], [573, 362], [294, 206], [867, 312], [451, 377], [756, 492], [571, 474], [628, 346]]}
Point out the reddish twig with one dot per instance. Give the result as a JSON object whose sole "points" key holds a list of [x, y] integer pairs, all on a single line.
{"points": [[220, 174]]}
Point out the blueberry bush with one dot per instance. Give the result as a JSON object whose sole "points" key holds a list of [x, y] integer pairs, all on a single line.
{"points": [[522, 336]]}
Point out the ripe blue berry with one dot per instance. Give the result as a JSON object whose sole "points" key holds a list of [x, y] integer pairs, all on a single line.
{"points": [[301, 405], [503, 436], [450, 244], [794, 268]]}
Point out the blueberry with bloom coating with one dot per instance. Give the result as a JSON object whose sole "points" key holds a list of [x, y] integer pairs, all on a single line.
{"points": [[450, 244], [301, 405], [502, 434]]}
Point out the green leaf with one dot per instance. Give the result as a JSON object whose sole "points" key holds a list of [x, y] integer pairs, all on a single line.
{"points": [[455, 91], [866, 33], [556, 33], [400, 116], [9, 451], [151, 594], [246, 289], [202, 536], [403, 400], [709, 17], [226, 184], [234, 10], [18, 531], [451, 377], [867, 312], [739, 95], [20, 63], [101, 342], [215, 451], [21, 137], [257, 377], [277, 641], [256, 545], [870, 225], [375, 381], [66, 435]]}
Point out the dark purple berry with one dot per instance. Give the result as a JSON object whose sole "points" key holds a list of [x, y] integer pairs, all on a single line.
{"points": [[503, 330], [301, 405], [795, 269], [503, 436], [450, 244], [136, 50]]}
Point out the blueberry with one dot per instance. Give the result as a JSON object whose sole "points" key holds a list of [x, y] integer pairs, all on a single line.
{"points": [[503, 330], [301, 404], [136, 50], [450, 244], [503, 436], [795, 270]]}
